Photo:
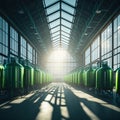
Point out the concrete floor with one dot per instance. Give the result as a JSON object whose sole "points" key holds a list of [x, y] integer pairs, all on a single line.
{"points": [[59, 101]]}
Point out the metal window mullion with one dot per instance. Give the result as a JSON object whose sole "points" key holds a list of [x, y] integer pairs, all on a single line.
{"points": [[65, 36], [68, 4], [54, 27], [54, 20], [48, 15], [67, 20], [55, 32], [66, 27], [65, 32], [72, 15], [60, 19], [51, 4]]}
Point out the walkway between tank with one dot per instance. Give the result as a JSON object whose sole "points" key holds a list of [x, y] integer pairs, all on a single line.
{"points": [[59, 101]]}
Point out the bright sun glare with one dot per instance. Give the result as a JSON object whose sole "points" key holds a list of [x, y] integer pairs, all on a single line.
{"points": [[58, 63], [58, 55]]}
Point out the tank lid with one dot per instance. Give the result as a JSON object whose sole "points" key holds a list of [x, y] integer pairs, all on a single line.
{"points": [[105, 63], [13, 60]]}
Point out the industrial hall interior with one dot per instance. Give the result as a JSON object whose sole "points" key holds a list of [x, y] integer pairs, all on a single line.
{"points": [[59, 59]]}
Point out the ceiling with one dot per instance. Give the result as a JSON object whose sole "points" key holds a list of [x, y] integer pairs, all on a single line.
{"points": [[60, 16], [69, 24]]}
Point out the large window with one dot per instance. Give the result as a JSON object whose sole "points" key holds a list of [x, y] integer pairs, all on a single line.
{"points": [[33, 56], [23, 47], [26, 50], [29, 52], [87, 56], [108, 47], [3, 39], [106, 40], [95, 49], [117, 42], [13, 42], [60, 63], [36, 58]]}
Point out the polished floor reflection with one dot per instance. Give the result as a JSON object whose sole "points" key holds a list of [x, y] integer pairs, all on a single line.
{"points": [[59, 101]]}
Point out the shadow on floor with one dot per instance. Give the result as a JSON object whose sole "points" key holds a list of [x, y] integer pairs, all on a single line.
{"points": [[58, 102]]}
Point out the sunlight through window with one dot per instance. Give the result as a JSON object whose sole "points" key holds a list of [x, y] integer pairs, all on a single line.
{"points": [[59, 63], [58, 55]]}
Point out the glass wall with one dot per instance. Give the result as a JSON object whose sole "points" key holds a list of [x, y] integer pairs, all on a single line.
{"points": [[3, 39], [110, 45], [33, 56], [36, 60], [95, 49], [106, 45], [29, 52], [87, 56], [26, 50], [117, 42], [13, 42], [22, 47]]}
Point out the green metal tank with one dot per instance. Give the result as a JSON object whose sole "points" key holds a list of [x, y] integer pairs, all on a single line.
{"points": [[74, 78], [78, 77], [89, 78], [82, 77], [104, 78], [28, 76], [13, 75], [117, 81], [41, 77], [36, 77], [95, 75], [1, 76]]}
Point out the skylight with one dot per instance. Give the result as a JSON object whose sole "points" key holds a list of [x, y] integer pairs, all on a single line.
{"points": [[55, 29], [49, 2], [55, 23], [60, 15], [67, 8], [54, 16], [53, 8], [66, 23]]}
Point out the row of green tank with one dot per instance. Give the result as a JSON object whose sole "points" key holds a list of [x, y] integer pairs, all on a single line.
{"points": [[100, 78], [14, 76]]}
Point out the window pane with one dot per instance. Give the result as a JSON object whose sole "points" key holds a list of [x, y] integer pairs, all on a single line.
{"points": [[66, 41], [55, 23], [95, 51], [49, 2], [115, 24], [29, 51], [65, 29], [56, 37], [65, 23], [54, 16], [53, 8], [65, 34], [71, 2], [55, 34], [87, 56], [55, 29], [13, 41], [23, 47], [68, 8], [66, 38], [67, 16]]}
